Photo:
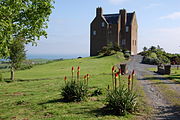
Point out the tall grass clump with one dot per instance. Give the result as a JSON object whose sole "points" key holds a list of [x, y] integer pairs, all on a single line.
{"points": [[121, 100], [75, 90]]}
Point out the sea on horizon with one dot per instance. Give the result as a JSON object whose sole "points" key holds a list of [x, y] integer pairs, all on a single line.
{"points": [[52, 57]]}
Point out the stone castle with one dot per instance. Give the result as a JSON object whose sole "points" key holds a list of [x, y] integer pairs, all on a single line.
{"points": [[120, 29]]}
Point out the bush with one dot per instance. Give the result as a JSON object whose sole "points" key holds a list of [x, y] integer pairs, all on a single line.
{"points": [[74, 91], [121, 101], [151, 61], [127, 55]]}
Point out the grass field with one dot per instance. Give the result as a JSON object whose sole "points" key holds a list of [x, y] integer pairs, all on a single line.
{"points": [[35, 93], [174, 76]]}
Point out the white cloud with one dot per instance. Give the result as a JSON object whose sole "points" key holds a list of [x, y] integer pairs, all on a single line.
{"points": [[117, 1], [173, 16]]}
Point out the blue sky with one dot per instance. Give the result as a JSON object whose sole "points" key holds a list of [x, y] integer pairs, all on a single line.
{"points": [[69, 26]]}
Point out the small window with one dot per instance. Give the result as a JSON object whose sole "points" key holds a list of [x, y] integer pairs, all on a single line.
{"points": [[103, 24], [127, 28], [94, 32], [123, 42]]}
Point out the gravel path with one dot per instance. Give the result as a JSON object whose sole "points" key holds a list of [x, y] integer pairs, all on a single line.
{"points": [[162, 108]]}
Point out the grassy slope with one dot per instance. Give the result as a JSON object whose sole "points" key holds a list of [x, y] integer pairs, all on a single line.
{"points": [[38, 98]]}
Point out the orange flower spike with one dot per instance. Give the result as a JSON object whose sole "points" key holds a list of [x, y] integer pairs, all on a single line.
{"points": [[129, 77], [78, 69], [72, 69], [113, 69], [116, 75], [65, 78], [78, 73], [87, 75]]}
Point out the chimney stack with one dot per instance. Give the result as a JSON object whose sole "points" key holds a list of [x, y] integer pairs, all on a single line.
{"points": [[123, 16], [99, 11]]}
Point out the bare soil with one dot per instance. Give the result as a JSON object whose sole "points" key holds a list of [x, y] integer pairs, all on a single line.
{"points": [[163, 109]]}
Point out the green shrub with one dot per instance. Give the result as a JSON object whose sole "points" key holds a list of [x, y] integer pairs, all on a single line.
{"points": [[150, 60], [121, 101], [97, 92], [74, 91], [127, 55], [153, 55]]}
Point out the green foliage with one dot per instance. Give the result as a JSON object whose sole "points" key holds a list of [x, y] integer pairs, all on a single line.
{"points": [[97, 92], [25, 19], [145, 49], [110, 49], [127, 55], [74, 91], [121, 101], [156, 55], [17, 53], [153, 55]]}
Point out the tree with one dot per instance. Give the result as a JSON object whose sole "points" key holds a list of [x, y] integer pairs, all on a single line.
{"points": [[17, 55], [145, 49], [25, 19]]}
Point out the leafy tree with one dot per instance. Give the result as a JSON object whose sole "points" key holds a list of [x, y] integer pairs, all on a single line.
{"points": [[145, 49], [17, 55], [152, 48], [25, 19]]}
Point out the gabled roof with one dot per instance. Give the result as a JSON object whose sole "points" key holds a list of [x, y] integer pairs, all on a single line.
{"points": [[113, 18]]}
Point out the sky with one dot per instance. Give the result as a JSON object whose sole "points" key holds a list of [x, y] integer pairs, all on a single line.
{"points": [[69, 25]]}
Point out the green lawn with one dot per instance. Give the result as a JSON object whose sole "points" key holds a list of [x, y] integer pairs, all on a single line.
{"points": [[35, 94], [174, 76]]}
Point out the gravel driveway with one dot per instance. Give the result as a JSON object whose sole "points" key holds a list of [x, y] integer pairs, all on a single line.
{"points": [[163, 109]]}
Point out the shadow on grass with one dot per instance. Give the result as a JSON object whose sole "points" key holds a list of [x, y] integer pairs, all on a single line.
{"points": [[169, 113], [54, 101], [163, 80], [8, 80]]}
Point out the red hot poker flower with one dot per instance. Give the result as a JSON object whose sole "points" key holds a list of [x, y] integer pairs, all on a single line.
{"points": [[65, 78], [78, 73], [113, 69], [78, 68], [129, 77], [87, 75], [72, 69], [116, 75]]}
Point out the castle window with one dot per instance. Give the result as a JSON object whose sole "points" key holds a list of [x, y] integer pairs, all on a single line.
{"points": [[123, 42], [94, 32], [127, 28], [102, 24]]}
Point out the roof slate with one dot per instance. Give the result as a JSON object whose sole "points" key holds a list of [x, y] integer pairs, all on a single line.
{"points": [[113, 18]]}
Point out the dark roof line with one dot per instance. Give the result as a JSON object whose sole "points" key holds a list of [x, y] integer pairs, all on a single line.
{"points": [[113, 18]]}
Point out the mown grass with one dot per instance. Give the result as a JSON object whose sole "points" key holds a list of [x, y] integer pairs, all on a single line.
{"points": [[174, 76], [35, 93]]}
